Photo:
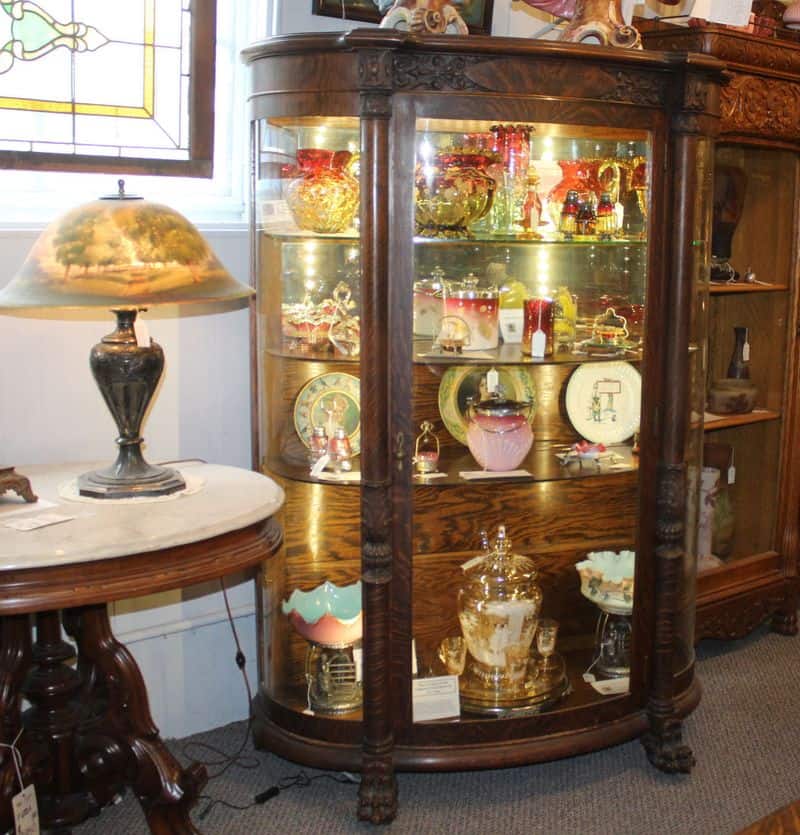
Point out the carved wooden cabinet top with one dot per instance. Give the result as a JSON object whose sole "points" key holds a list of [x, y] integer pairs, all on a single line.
{"points": [[389, 61], [762, 97]]}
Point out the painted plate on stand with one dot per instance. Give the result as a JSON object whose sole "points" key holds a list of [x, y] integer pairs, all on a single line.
{"points": [[604, 401], [329, 400], [466, 381]]}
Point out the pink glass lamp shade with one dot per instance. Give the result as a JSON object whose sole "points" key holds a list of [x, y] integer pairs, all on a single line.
{"points": [[124, 254]]}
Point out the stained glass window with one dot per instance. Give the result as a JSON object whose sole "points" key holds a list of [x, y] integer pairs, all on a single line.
{"points": [[111, 85]]}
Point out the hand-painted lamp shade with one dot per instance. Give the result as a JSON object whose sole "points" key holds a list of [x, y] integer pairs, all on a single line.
{"points": [[121, 252]]}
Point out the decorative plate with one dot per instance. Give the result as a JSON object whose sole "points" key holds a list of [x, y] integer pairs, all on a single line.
{"points": [[465, 381], [329, 400], [603, 401]]}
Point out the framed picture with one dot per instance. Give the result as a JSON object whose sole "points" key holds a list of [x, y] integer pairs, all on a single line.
{"points": [[477, 14]]}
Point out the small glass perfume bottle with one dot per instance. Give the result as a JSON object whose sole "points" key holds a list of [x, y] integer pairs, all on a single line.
{"points": [[568, 224], [606, 223], [318, 444], [426, 450], [340, 451]]}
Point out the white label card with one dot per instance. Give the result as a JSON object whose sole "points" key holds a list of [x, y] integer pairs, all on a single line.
{"points": [[142, 332], [538, 343], [746, 352], [435, 698], [26, 812], [730, 12], [34, 522], [611, 686]]}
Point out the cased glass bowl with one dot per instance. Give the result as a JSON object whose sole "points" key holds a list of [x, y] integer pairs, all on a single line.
{"points": [[607, 579], [328, 615]]}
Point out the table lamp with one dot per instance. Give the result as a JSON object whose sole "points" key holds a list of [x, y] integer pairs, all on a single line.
{"points": [[124, 254]]}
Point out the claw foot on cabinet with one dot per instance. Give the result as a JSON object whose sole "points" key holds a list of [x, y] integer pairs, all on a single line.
{"points": [[784, 623], [665, 748], [377, 794]]}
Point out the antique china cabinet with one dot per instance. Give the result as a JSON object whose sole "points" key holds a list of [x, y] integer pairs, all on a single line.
{"points": [[481, 267], [751, 576]]}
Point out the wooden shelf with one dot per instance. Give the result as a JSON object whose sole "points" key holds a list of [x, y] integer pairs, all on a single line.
{"points": [[727, 421], [741, 287]]}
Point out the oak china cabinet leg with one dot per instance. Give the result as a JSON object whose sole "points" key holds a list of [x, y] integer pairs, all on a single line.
{"points": [[665, 748], [663, 742], [784, 621], [378, 792], [164, 788]]}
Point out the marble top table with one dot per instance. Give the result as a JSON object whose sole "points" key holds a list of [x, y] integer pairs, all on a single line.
{"points": [[88, 732]]}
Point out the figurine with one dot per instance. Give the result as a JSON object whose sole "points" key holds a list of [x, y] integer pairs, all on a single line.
{"points": [[593, 21], [434, 17]]}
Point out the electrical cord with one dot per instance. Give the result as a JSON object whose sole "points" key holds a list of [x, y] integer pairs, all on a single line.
{"points": [[225, 760]]}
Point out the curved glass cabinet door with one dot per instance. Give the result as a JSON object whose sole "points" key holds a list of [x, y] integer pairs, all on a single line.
{"points": [[308, 272], [530, 298]]}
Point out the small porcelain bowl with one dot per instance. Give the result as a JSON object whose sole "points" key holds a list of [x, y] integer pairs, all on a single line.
{"points": [[730, 396], [327, 615]]}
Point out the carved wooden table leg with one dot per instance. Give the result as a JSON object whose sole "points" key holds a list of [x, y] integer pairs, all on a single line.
{"points": [[51, 687], [15, 661], [9, 480], [165, 789]]}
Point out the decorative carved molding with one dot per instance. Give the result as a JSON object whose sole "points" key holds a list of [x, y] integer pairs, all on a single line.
{"points": [[375, 69], [767, 54], [671, 503], [759, 105], [635, 87], [736, 617], [377, 562], [426, 71], [375, 105]]}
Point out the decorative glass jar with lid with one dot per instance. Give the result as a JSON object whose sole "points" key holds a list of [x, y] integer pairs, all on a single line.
{"points": [[498, 609]]}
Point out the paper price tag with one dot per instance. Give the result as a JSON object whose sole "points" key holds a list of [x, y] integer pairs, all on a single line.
{"points": [[730, 12], [746, 352], [26, 812], [142, 332], [492, 380], [319, 465], [538, 343], [35, 522], [611, 686]]}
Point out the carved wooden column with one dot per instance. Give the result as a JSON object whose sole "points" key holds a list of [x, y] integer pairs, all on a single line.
{"points": [[694, 121], [378, 791]]}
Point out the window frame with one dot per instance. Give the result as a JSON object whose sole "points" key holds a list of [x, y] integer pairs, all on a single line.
{"points": [[201, 120]]}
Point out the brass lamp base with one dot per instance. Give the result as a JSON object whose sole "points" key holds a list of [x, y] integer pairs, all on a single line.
{"points": [[110, 484]]}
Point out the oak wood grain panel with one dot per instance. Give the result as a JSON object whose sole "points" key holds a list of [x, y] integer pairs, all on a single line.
{"points": [[541, 517]]}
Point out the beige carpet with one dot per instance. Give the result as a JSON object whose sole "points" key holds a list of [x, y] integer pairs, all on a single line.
{"points": [[745, 736]]}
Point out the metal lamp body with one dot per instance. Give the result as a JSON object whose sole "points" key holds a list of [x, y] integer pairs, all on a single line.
{"points": [[127, 375]]}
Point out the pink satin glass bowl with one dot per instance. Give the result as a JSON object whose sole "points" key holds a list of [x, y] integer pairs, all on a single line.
{"points": [[327, 615]]}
